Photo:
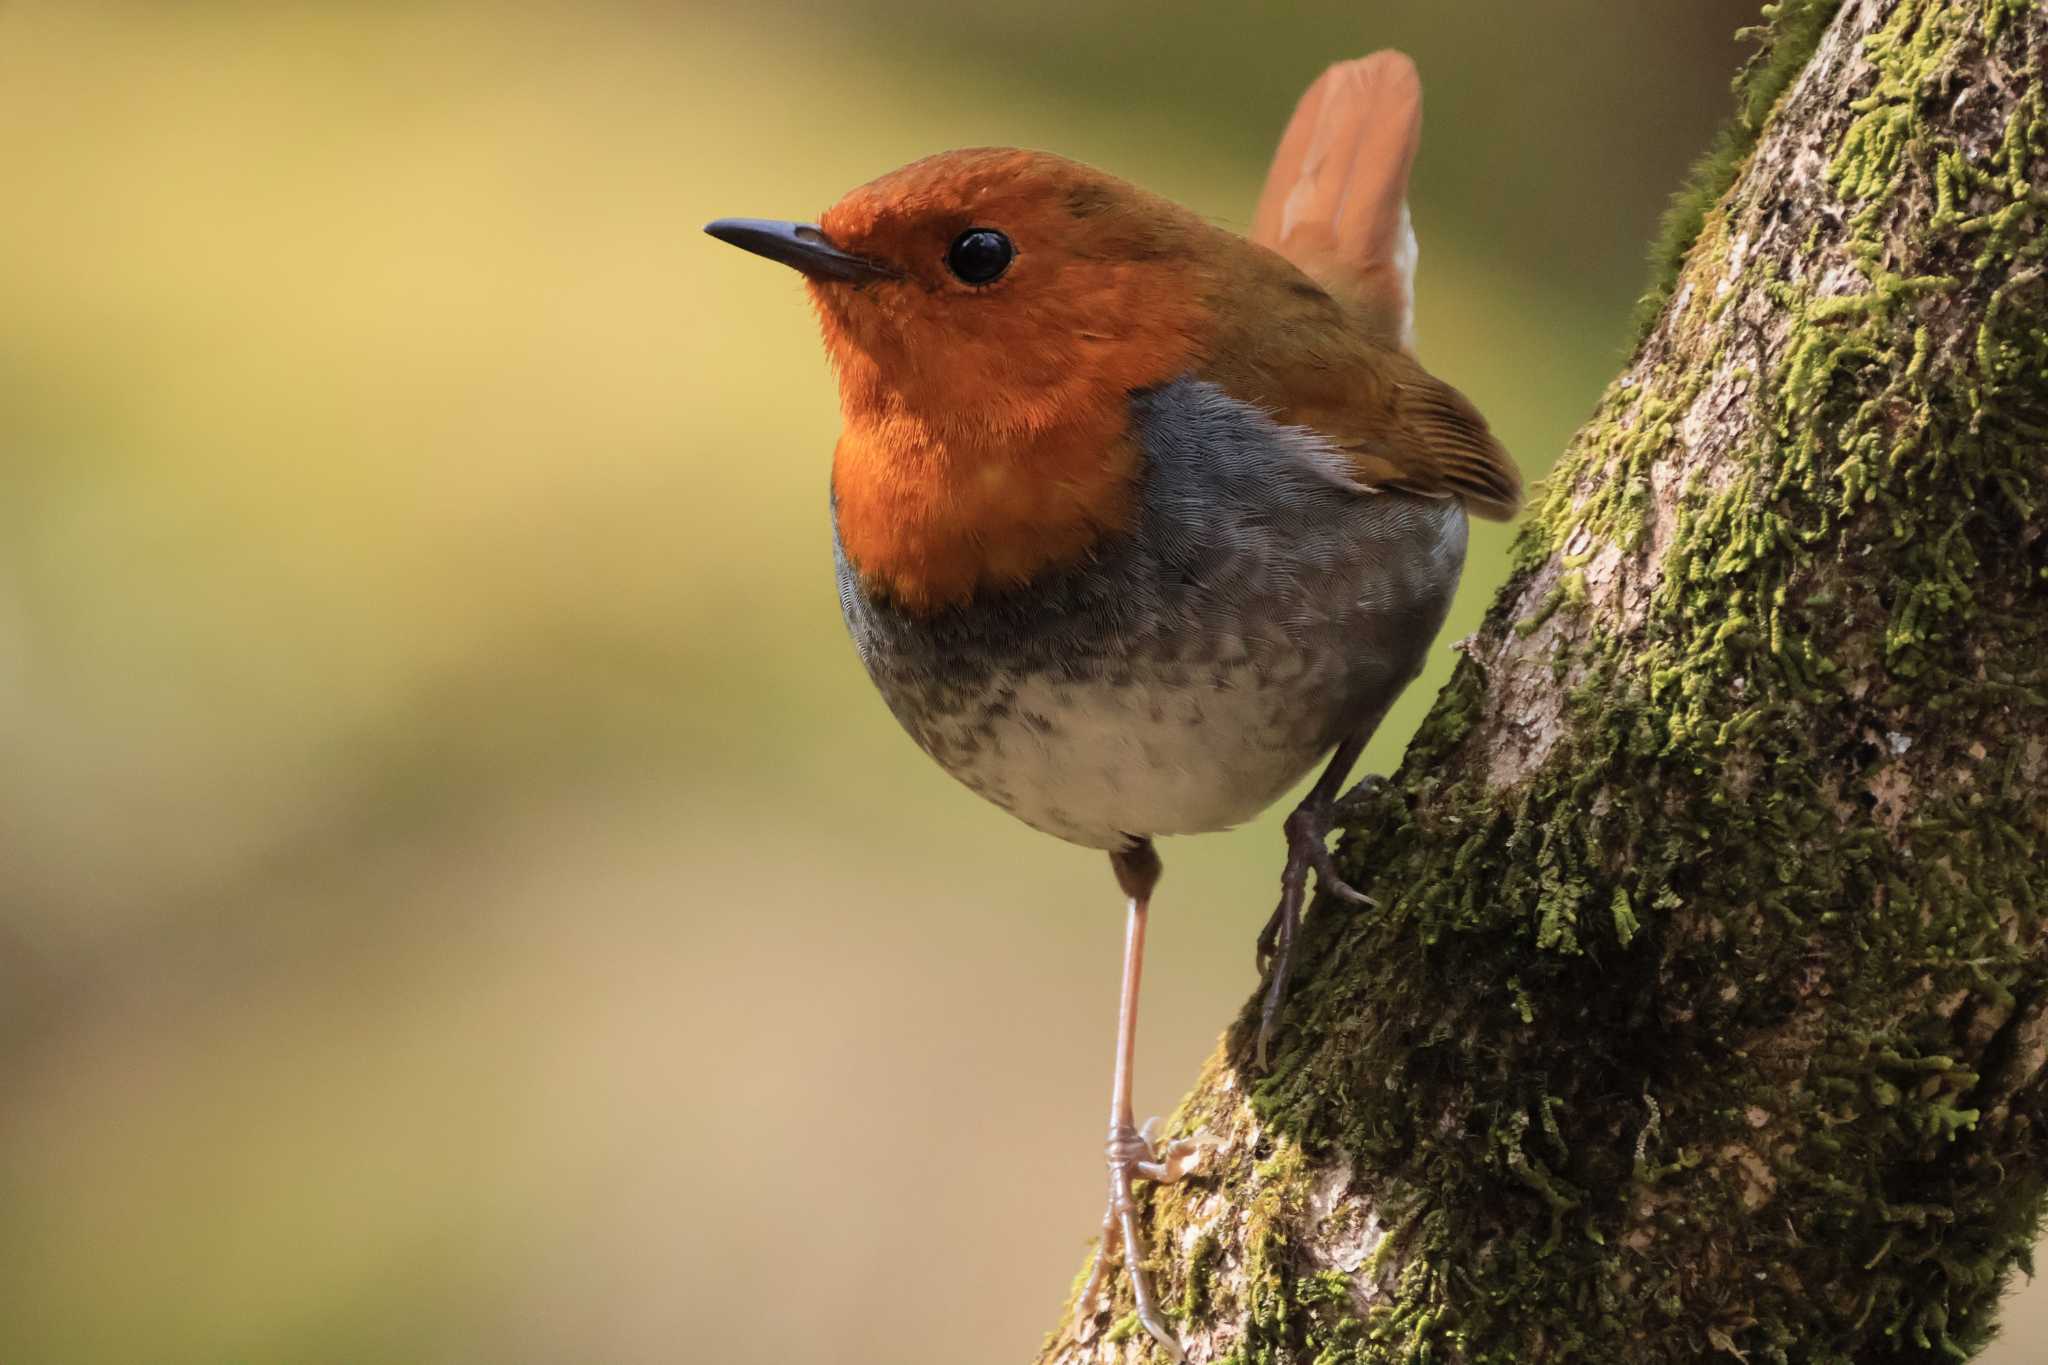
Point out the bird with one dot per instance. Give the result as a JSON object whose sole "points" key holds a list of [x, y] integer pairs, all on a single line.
{"points": [[1136, 520]]}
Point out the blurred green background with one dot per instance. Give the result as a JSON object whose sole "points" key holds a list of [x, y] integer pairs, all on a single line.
{"points": [[459, 898]]}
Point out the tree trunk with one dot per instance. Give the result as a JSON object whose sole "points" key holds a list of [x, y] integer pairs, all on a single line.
{"points": [[1704, 1007]]}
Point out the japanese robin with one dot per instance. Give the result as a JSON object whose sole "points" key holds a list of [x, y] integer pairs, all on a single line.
{"points": [[1138, 519]]}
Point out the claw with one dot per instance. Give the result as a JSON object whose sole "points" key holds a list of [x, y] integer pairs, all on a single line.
{"points": [[1172, 1161], [1308, 833], [1149, 1316], [1361, 795], [1329, 879], [1308, 837], [1135, 1154]]}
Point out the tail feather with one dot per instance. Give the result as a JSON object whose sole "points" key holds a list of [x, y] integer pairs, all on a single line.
{"points": [[1336, 199]]}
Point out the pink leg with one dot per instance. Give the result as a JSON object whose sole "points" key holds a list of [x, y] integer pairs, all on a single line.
{"points": [[1129, 1151]]}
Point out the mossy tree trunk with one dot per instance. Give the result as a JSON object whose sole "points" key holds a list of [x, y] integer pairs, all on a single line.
{"points": [[1704, 1007]]}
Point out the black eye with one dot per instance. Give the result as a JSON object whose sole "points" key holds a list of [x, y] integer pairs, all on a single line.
{"points": [[978, 255]]}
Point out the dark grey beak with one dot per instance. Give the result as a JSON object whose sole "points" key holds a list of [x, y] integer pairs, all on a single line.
{"points": [[800, 246]]}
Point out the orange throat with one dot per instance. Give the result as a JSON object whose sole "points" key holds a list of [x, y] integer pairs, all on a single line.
{"points": [[929, 518]]}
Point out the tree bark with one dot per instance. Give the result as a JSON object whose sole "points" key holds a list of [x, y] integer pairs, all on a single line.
{"points": [[1704, 1008]]}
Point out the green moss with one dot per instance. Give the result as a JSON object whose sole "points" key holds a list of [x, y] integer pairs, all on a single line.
{"points": [[1788, 36], [1201, 1274], [1709, 866]]}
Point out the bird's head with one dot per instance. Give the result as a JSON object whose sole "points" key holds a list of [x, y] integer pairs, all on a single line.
{"points": [[996, 290]]}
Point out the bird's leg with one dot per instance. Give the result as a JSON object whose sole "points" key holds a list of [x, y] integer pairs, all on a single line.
{"points": [[1131, 1152], [1308, 834]]}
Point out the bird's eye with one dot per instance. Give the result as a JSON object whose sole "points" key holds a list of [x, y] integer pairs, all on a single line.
{"points": [[978, 255]]}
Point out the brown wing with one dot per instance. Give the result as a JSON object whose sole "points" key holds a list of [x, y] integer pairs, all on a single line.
{"points": [[1289, 347], [1437, 444], [1402, 427]]}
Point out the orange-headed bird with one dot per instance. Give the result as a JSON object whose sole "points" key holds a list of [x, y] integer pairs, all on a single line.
{"points": [[1138, 519]]}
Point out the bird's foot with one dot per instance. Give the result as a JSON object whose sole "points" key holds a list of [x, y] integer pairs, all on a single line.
{"points": [[1308, 835], [1135, 1154], [1360, 798]]}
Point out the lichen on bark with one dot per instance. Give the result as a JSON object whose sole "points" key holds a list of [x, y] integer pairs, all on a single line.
{"points": [[1704, 1006]]}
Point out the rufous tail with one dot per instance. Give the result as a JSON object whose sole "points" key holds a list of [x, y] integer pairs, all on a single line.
{"points": [[1336, 198]]}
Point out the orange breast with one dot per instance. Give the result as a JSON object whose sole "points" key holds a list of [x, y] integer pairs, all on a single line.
{"points": [[929, 520]]}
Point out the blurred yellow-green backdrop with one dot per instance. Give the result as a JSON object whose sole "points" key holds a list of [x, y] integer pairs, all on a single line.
{"points": [[459, 899]]}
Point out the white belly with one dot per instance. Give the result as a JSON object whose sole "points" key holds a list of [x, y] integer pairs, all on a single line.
{"points": [[1171, 751]]}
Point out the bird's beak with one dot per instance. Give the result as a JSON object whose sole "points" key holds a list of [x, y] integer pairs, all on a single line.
{"points": [[799, 245]]}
